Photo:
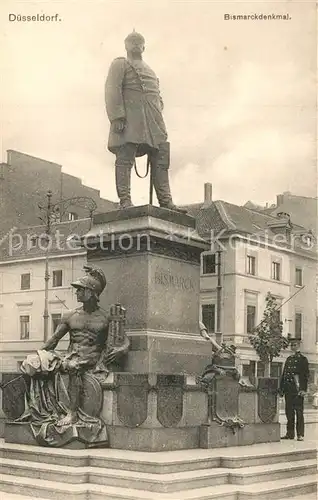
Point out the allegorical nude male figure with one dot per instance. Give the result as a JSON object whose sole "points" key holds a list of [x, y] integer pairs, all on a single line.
{"points": [[88, 330]]}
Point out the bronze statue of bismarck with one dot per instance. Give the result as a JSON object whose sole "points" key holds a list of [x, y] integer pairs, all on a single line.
{"points": [[137, 128]]}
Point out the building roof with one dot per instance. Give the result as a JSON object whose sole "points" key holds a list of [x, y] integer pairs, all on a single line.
{"points": [[302, 209], [227, 218], [218, 218]]}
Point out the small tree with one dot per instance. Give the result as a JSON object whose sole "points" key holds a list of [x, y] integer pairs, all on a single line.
{"points": [[267, 338]]}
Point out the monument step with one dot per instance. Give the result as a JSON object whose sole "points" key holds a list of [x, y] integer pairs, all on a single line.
{"points": [[58, 456], [157, 482], [221, 492], [14, 496], [165, 462], [59, 491], [49, 472], [38, 488], [291, 487], [231, 458], [283, 488], [272, 472]]}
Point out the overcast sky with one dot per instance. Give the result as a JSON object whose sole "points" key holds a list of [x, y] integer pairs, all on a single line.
{"points": [[240, 97]]}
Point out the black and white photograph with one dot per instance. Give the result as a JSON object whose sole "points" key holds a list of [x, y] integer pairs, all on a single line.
{"points": [[158, 250]]}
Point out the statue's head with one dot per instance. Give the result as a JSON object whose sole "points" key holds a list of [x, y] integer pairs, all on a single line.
{"points": [[135, 43], [91, 285]]}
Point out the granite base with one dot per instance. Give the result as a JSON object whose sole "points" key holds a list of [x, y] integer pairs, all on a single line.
{"points": [[215, 436], [153, 439], [21, 433]]}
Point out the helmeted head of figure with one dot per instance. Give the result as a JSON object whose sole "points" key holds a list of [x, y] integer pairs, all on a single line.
{"points": [[90, 285], [135, 43]]}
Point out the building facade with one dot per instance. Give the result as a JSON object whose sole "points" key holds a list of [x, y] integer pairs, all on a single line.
{"points": [[22, 303], [24, 182], [23, 260], [253, 254]]}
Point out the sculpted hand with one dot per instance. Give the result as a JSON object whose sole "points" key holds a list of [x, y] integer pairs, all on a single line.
{"points": [[119, 125], [221, 372], [114, 353], [302, 393]]}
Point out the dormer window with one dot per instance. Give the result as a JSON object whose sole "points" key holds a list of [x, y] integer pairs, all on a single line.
{"points": [[308, 240], [72, 216]]}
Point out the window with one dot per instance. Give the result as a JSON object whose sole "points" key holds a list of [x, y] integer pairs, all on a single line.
{"points": [[260, 369], [72, 216], [307, 240], [298, 277], [298, 325], [276, 271], [250, 318], [208, 317], [25, 281], [249, 370], [245, 370], [56, 319], [276, 370], [251, 265], [277, 314], [209, 264], [57, 278], [24, 327]]}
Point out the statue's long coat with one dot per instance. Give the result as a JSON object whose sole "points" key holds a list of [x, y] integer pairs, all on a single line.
{"points": [[132, 92]]}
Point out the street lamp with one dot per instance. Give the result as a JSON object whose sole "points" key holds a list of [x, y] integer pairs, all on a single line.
{"points": [[51, 211], [218, 298]]}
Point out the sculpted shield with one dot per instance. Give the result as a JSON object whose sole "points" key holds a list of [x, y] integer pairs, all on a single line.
{"points": [[267, 399], [132, 398], [169, 399], [13, 390], [227, 398]]}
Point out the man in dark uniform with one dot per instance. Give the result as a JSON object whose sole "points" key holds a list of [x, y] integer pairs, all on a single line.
{"points": [[134, 108], [293, 385]]}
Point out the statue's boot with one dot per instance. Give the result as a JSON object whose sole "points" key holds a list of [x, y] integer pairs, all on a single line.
{"points": [[160, 162], [123, 175]]}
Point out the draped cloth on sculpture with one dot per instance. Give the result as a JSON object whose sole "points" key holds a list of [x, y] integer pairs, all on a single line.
{"points": [[47, 401], [132, 92]]}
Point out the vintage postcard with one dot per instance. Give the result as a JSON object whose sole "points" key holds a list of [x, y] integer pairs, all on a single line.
{"points": [[158, 249]]}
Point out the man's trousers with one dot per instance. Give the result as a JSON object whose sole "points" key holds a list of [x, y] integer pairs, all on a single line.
{"points": [[294, 409]]}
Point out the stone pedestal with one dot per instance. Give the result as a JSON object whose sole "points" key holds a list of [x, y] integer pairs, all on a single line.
{"points": [[148, 412], [151, 259], [155, 401], [255, 407]]}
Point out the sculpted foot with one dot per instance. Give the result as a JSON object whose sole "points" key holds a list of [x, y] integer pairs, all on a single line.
{"points": [[125, 204], [69, 419]]}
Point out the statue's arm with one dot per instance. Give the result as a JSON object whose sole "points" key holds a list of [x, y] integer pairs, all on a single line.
{"points": [[59, 333], [160, 96], [114, 99], [204, 333]]}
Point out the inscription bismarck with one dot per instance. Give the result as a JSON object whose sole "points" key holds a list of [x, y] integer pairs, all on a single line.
{"points": [[170, 280]]}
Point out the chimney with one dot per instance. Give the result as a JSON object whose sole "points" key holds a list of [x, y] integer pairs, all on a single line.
{"points": [[207, 194], [279, 199]]}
